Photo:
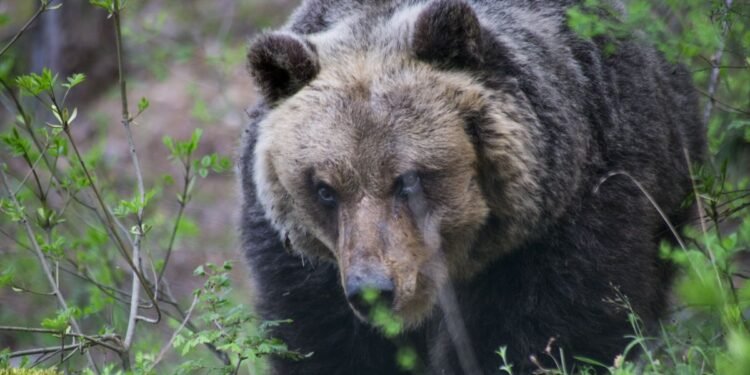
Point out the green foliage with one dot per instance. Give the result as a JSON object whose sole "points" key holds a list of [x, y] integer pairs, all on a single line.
{"points": [[78, 239], [234, 332], [33, 84], [59, 322], [109, 5]]}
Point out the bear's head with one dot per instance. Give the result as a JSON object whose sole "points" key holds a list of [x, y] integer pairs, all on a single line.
{"points": [[383, 152]]}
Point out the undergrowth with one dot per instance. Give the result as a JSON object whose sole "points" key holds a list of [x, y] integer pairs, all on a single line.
{"points": [[93, 254]]}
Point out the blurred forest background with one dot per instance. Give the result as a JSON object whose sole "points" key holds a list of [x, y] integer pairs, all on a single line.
{"points": [[113, 261], [187, 58]]}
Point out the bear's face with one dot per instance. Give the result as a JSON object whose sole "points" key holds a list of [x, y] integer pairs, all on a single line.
{"points": [[369, 158], [380, 171]]}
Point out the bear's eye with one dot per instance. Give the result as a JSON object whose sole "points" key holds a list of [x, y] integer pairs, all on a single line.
{"points": [[326, 195], [408, 184]]}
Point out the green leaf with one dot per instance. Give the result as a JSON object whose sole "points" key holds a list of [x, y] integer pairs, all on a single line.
{"points": [[59, 322], [108, 5], [143, 104], [6, 277], [169, 143], [19, 145], [74, 80], [200, 271]]}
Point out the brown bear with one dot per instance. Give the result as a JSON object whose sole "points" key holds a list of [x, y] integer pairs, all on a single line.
{"points": [[450, 155]]}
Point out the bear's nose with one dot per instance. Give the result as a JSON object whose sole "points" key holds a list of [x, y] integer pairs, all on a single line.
{"points": [[365, 292]]}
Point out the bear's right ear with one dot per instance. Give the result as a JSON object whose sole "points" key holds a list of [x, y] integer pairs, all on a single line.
{"points": [[281, 64]]}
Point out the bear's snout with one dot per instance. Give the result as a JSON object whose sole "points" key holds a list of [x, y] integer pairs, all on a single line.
{"points": [[368, 288]]}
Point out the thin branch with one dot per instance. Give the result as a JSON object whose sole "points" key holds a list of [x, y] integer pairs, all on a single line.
{"points": [[110, 220], [42, 9], [713, 81], [32, 171], [726, 107], [221, 355], [25, 290], [109, 291], [740, 67], [98, 340], [43, 262], [136, 288], [14, 239], [169, 343], [183, 202], [49, 349]]}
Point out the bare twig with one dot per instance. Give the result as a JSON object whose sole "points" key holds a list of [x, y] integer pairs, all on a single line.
{"points": [[221, 355], [49, 349], [138, 233], [713, 81], [43, 263], [42, 9], [98, 340], [169, 343], [722, 105], [26, 290], [109, 291]]}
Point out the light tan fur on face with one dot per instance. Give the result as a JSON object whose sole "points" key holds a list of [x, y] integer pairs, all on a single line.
{"points": [[370, 116]]}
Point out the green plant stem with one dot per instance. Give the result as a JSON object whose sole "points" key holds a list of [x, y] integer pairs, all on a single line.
{"points": [[43, 263], [183, 202]]}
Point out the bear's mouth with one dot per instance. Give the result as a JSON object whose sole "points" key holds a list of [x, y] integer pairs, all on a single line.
{"points": [[379, 311], [372, 305], [391, 311]]}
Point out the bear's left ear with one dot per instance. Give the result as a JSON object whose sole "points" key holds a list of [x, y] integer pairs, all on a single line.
{"points": [[281, 64], [447, 32]]}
